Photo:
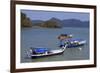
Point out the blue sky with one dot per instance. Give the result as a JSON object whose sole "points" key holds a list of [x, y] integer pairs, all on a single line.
{"points": [[46, 15]]}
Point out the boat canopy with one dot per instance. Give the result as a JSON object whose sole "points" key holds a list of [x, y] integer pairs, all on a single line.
{"points": [[73, 40], [41, 50]]}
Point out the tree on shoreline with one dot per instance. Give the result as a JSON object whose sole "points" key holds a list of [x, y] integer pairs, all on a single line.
{"points": [[25, 21]]}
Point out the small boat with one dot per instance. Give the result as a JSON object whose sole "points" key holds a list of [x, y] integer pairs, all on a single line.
{"points": [[75, 43], [42, 52]]}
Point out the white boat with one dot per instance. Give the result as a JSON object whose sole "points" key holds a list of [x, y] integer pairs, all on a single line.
{"points": [[46, 53]]}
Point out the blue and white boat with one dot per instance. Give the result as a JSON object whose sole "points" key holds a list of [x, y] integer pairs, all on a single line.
{"points": [[72, 43], [42, 52]]}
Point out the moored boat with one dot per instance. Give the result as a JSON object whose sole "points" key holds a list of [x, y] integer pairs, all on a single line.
{"points": [[75, 43], [42, 52]]}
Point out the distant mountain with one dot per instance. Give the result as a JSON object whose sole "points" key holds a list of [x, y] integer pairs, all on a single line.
{"points": [[51, 23], [75, 23], [55, 19], [58, 21], [55, 22]]}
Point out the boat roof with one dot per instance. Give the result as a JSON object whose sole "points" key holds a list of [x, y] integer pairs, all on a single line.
{"points": [[40, 50]]}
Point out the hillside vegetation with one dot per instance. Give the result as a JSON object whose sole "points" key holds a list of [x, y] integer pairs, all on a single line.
{"points": [[25, 21]]}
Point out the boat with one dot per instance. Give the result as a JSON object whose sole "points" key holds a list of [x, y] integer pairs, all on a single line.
{"points": [[75, 43], [42, 52]]}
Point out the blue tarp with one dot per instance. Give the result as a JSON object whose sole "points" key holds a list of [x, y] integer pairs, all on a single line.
{"points": [[41, 50]]}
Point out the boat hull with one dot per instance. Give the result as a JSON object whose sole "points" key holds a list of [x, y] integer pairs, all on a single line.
{"points": [[46, 55], [74, 46], [49, 53]]}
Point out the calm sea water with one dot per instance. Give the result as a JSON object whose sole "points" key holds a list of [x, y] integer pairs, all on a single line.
{"points": [[47, 37]]}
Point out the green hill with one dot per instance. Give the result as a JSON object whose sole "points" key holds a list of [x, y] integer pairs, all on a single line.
{"points": [[49, 24], [25, 21]]}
